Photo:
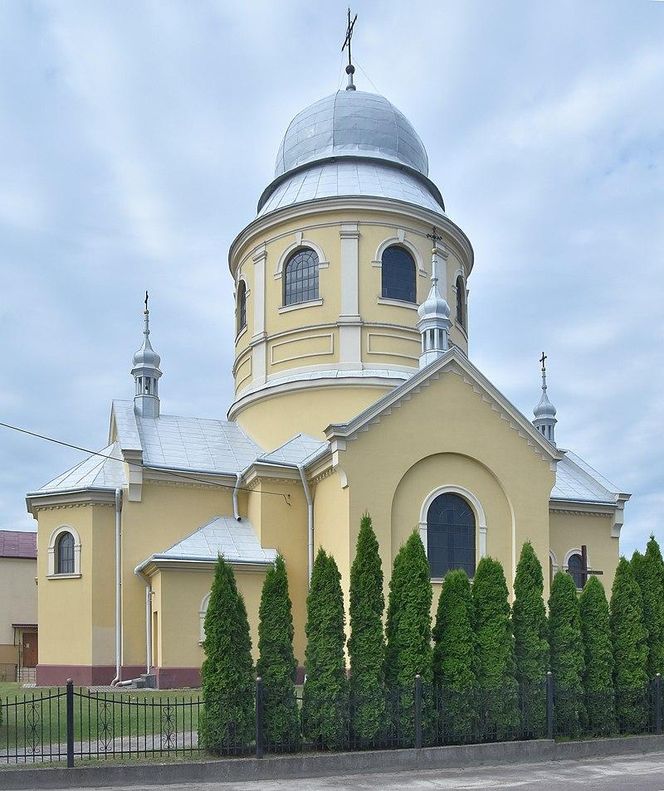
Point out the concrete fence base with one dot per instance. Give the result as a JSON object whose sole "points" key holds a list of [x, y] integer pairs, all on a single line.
{"points": [[326, 764]]}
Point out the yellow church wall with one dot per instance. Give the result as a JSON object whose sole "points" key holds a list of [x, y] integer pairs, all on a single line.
{"points": [[332, 531], [166, 514], [569, 530], [281, 524], [448, 417], [304, 411]]}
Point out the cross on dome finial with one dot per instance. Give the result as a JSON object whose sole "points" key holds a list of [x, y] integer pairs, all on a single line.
{"points": [[146, 302], [350, 69]]}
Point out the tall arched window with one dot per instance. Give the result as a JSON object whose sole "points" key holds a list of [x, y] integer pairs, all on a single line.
{"points": [[575, 569], [241, 305], [301, 277], [64, 554], [450, 535], [398, 274], [461, 301]]}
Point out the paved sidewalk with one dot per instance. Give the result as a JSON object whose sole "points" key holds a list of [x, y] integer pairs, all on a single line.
{"points": [[637, 773]]}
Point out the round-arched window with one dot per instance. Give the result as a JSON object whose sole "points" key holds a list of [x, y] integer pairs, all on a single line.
{"points": [[575, 569], [461, 302], [398, 274], [301, 277], [64, 554], [450, 535], [241, 305]]}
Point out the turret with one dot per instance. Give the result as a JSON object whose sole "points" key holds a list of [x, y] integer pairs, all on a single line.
{"points": [[434, 315], [146, 373], [545, 412]]}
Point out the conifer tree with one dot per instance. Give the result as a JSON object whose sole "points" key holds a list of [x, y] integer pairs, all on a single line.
{"points": [[366, 645], [408, 631], [453, 657], [567, 660], [648, 571], [598, 659], [531, 647], [494, 652], [276, 664], [325, 696], [227, 680], [630, 651]]}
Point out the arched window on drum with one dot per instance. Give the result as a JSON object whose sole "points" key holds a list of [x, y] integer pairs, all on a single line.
{"points": [[398, 275], [450, 535]]}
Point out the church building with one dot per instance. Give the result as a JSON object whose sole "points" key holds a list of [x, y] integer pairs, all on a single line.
{"points": [[353, 393]]}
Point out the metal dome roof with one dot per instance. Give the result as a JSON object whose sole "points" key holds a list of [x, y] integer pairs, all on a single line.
{"points": [[351, 124]]}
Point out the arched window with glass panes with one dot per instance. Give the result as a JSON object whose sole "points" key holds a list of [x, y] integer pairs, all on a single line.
{"points": [[64, 554], [398, 275], [301, 277], [241, 306], [575, 569], [450, 535], [461, 301]]}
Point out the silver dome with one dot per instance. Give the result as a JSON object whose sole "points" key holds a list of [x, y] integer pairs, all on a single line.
{"points": [[351, 124]]}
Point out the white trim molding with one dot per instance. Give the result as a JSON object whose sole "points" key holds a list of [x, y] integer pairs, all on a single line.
{"points": [[473, 502], [205, 601], [53, 540], [568, 555], [299, 242]]}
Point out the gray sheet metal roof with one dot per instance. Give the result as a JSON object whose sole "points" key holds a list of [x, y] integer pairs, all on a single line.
{"points": [[94, 472], [197, 444], [236, 541], [350, 179], [351, 123], [577, 480], [300, 449]]}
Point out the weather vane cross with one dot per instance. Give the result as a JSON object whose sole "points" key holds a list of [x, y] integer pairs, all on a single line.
{"points": [[349, 36], [146, 301]]}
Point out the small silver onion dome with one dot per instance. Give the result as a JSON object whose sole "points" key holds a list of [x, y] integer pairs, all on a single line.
{"points": [[355, 124], [146, 356], [434, 305], [545, 408]]}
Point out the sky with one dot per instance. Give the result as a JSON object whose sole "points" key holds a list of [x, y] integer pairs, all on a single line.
{"points": [[137, 136]]}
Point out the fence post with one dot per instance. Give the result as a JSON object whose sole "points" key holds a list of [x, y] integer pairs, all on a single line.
{"points": [[259, 717], [549, 706], [418, 711], [70, 723], [658, 703]]}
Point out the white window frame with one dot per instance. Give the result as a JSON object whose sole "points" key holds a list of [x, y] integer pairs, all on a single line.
{"points": [[202, 612], [52, 545], [476, 507]]}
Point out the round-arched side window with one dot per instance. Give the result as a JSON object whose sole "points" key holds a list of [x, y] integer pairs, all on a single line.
{"points": [[241, 305], [461, 301], [398, 275], [301, 277], [575, 569], [64, 554], [450, 535]]}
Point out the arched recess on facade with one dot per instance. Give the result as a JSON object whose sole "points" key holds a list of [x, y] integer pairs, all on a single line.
{"points": [[300, 243], [202, 611], [55, 542], [400, 241]]}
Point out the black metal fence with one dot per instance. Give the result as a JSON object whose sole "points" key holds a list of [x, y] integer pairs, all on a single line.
{"points": [[70, 724]]}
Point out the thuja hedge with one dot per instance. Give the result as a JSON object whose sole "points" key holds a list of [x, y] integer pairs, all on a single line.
{"points": [[489, 659]]}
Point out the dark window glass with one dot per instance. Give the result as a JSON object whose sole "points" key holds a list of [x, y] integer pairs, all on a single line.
{"points": [[460, 301], [450, 535], [241, 306], [575, 568], [64, 553], [301, 277], [398, 274]]}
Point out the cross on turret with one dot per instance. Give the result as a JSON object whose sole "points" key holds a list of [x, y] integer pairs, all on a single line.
{"points": [[350, 69]]}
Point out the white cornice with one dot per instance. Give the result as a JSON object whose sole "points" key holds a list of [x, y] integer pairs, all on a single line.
{"points": [[160, 562], [68, 498], [359, 203]]}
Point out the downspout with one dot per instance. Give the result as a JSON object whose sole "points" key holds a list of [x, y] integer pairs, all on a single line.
{"points": [[118, 587], [238, 481], [310, 522], [148, 618]]}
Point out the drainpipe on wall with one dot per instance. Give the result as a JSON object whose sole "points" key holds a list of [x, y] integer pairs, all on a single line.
{"points": [[148, 618], [310, 522], [238, 481], [118, 588]]}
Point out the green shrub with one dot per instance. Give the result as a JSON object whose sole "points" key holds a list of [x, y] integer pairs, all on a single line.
{"points": [[276, 664], [366, 645], [630, 651], [598, 659], [531, 647], [494, 652], [648, 571], [567, 661], [228, 720], [325, 696], [408, 631], [453, 657]]}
